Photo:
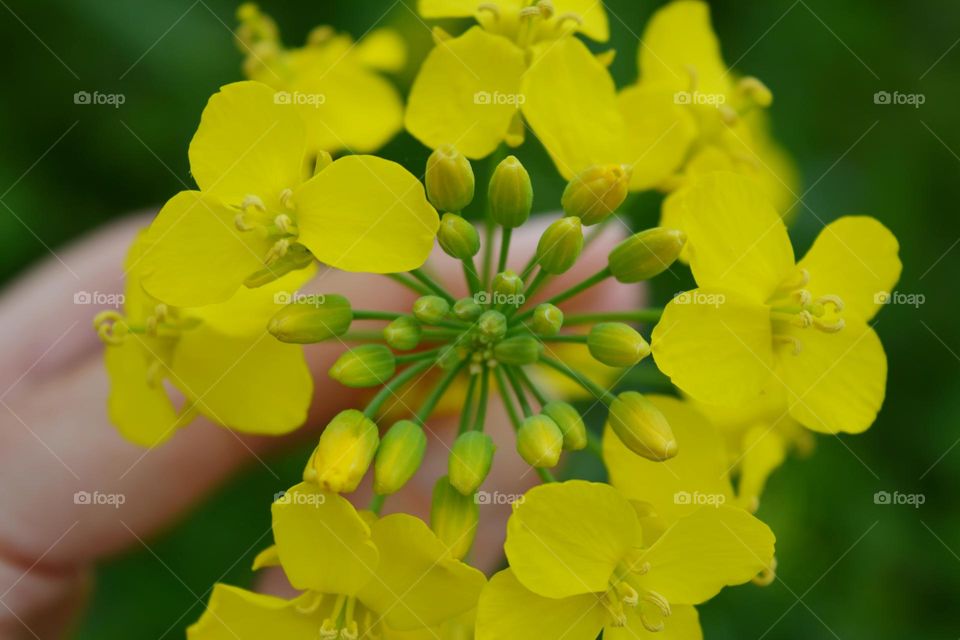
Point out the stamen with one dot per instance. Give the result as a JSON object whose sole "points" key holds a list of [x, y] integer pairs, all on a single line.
{"points": [[107, 324], [829, 327], [615, 608], [794, 342], [663, 607], [240, 222], [155, 374], [628, 595], [277, 251], [312, 605], [570, 17], [254, 202], [728, 114], [285, 198], [833, 300], [804, 319], [285, 224], [491, 7]]}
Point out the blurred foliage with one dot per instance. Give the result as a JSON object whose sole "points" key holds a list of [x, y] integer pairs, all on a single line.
{"points": [[848, 568]]}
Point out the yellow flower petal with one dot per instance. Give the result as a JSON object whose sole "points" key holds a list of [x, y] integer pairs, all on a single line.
{"points": [[764, 449], [447, 8], [715, 345], [856, 258], [593, 17], [382, 49], [364, 213], [467, 93], [417, 584], [659, 134], [736, 239], [682, 624], [237, 614], [247, 143], [589, 129], [508, 610], [324, 545], [142, 413], [194, 254], [705, 551], [674, 487], [253, 384], [567, 538], [838, 380], [679, 38]]}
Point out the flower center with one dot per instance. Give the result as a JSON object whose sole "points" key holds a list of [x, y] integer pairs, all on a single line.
{"points": [[536, 22], [344, 619], [793, 306], [254, 216], [625, 596]]}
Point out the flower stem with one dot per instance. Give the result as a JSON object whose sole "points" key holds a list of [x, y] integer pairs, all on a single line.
{"points": [[419, 355], [504, 248], [544, 474], [473, 279], [431, 284], [596, 278], [376, 503], [525, 378], [390, 387], [518, 390], [598, 391], [482, 401], [594, 444], [468, 404], [576, 339], [431, 402], [645, 316], [408, 283], [375, 315]]}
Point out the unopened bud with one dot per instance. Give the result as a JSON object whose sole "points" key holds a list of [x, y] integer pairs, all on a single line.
{"points": [[560, 245], [454, 518], [366, 366], [642, 427], [617, 345], [403, 334], [457, 237], [449, 178], [540, 441], [547, 320], [310, 320], [518, 350], [470, 460], [510, 194], [594, 194], [492, 326], [646, 254], [570, 422], [467, 309], [345, 451], [451, 356], [431, 309], [398, 457], [296, 257], [507, 284]]}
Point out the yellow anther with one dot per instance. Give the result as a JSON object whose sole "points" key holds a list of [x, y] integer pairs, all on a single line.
{"points": [[320, 35], [240, 222], [286, 198], [829, 327], [803, 297], [350, 632], [790, 340], [311, 605], [804, 319], [490, 7], [832, 300], [285, 224], [658, 601], [755, 91], [570, 17], [277, 251], [628, 595], [110, 327], [615, 609], [252, 201]]}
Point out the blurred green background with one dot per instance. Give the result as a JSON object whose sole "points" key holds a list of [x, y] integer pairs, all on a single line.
{"points": [[849, 568]]}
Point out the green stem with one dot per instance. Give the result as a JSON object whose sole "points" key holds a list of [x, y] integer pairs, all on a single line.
{"points": [[408, 283], [358, 336], [601, 393], [596, 278], [431, 284], [375, 315], [525, 378], [473, 279], [544, 474], [468, 405], [594, 444], [518, 390], [504, 249], [419, 355], [565, 338], [376, 503], [488, 253], [431, 402], [538, 281], [482, 401], [531, 265], [646, 316], [390, 388]]}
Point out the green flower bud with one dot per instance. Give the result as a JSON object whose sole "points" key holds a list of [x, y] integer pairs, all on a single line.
{"points": [[492, 326], [403, 334], [296, 257], [431, 309], [470, 460], [518, 350], [594, 194], [451, 356], [312, 319], [646, 254], [399, 456], [366, 366], [457, 237], [560, 245], [344, 454], [540, 441], [547, 320], [467, 309], [449, 178], [454, 518], [617, 345], [510, 193], [507, 286], [570, 422], [642, 427]]}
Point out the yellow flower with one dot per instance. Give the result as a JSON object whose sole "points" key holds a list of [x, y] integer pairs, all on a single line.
{"points": [[582, 559], [255, 210], [335, 82], [361, 577], [219, 357], [760, 319]]}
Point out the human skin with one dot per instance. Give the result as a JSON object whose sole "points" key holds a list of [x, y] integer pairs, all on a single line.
{"points": [[55, 438]]}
